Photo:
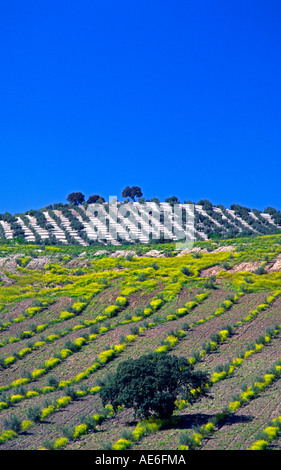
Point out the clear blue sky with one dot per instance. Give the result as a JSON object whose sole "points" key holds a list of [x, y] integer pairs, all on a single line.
{"points": [[178, 97]]}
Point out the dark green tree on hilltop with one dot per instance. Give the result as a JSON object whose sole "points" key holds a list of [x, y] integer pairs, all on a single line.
{"points": [[95, 199], [132, 192], [172, 200], [76, 198]]}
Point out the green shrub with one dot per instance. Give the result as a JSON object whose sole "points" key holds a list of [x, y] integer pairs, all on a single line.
{"points": [[34, 413], [13, 423]]}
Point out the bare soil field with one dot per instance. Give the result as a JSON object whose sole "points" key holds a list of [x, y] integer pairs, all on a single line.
{"points": [[63, 331]]}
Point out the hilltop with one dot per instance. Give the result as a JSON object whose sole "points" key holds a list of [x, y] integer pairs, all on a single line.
{"points": [[71, 314], [81, 224]]}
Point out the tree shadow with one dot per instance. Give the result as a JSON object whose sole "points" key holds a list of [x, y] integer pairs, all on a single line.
{"points": [[187, 421], [191, 420], [233, 419]]}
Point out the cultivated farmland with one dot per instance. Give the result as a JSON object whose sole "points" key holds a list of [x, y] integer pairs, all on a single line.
{"points": [[70, 314]]}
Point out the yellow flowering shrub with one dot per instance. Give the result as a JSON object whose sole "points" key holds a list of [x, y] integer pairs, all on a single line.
{"points": [[92, 337], [234, 405], [51, 338], [213, 345], [25, 334], [162, 349], [119, 347], [80, 376], [130, 338], [139, 431], [106, 355], [98, 418], [262, 307], [156, 303], [6, 435], [63, 401], [218, 376], [197, 438], [276, 421], [80, 341], [134, 318], [9, 360], [26, 424], [41, 328], [80, 430], [201, 297], [37, 373], [38, 344], [77, 327], [190, 305], [31, 394], [122, 444], [171, 317], [121, 300], [65, 353], [237, 361], [103, 329], [109, 410], [21, 381], [182, 311], [16, 398], [219, 311], [268, 378], [172, 340], [209, 427], [13, 339], [271, 431], [181, 404], [202, 353], [227, 304], [24, 351], [32, 311], [223, 335], [261, 444], [47, 389], [78, 306], [248, 353], [248, 394], [111, 310], [61, 442], [64, 383], [147, 311], [66, 315]]}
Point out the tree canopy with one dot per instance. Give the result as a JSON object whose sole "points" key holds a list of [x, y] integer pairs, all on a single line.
{"points": [[132, 192], [76, 198], [172, 200], [95, 199], [151, 384]]}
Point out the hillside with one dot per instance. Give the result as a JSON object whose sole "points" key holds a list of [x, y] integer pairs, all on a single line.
{"points": [[81, 225], [71, 314]]}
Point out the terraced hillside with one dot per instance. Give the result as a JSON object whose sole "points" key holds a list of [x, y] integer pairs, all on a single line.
{"points": [[70, 314], [83, 225]]}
